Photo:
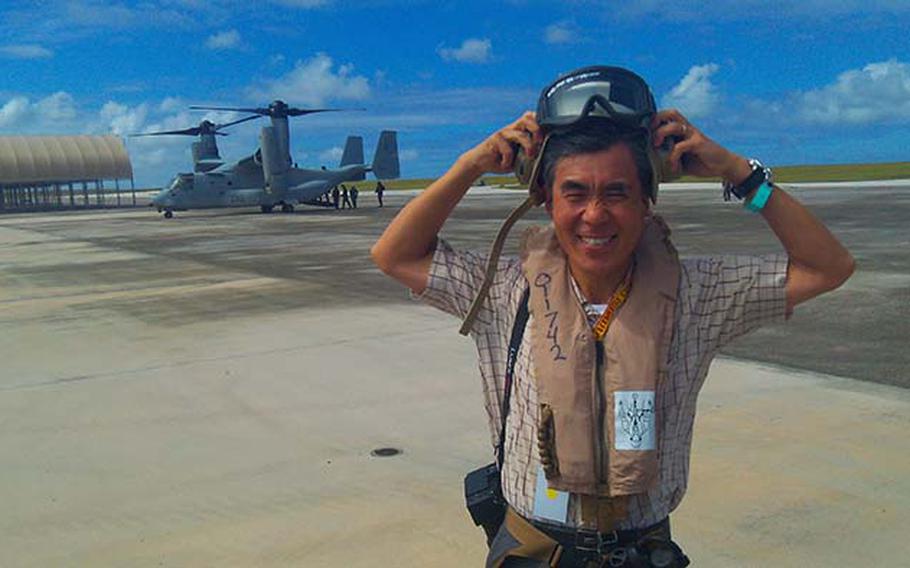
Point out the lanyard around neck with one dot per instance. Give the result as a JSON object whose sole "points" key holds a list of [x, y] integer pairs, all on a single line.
{"points": [[616, 301]]}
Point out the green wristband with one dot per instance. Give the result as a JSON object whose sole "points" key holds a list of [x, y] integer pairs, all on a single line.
{"points": [[760, 199]]}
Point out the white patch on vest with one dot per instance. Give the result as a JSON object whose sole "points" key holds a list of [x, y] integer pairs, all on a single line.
{"points": [[549, 504], [634, 414]]}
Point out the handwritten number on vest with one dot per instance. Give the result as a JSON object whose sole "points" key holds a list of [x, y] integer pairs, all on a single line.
{"points": [[543, 282]]}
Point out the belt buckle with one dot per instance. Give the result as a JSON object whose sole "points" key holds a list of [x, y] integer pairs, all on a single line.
{"points": [[595, 541], [617, 557]]}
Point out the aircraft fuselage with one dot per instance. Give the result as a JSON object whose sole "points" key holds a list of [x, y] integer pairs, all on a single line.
{"points": [[238, 187]]}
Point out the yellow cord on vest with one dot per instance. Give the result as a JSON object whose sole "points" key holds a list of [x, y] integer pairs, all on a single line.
{"points": [[616, 301]]}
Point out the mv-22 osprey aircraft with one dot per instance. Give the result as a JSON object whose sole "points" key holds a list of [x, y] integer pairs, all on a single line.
{"points": [[268, 178]]}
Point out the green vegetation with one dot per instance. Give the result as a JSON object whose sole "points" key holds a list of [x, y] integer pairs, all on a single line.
{"points": [[843, 172], [831, 172], [783, 174]]}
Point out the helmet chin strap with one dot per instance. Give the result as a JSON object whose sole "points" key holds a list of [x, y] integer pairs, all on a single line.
{"points": [[535, 197], [495, 252]]}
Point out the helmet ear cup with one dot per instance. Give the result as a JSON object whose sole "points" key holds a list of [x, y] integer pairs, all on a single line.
{"points": [[527, 170], [661, 169], [523, 165]]}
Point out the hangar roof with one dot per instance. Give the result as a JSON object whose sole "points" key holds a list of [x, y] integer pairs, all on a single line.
{"points": [[30, 159]]}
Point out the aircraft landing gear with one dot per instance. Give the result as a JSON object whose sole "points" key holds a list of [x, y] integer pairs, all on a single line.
{"points": [[287, 208], [168, 213], [266, 208]]}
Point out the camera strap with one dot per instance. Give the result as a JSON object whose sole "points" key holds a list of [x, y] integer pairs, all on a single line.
{"points": [[518, 330]]}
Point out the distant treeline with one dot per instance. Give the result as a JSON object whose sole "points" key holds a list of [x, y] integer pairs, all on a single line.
{"points": [[783, 174]]}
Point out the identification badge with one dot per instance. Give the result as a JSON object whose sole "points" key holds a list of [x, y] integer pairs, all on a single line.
{"points": [[634, 420], [550, 504]]}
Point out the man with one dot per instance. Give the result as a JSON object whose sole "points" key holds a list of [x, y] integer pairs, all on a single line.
{"points": [[345, 200], [621, 331], [354, 194], [380, 189], [335, 196]]}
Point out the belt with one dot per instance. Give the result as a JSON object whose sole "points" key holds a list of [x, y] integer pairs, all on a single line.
{"points": [[580, 545]]}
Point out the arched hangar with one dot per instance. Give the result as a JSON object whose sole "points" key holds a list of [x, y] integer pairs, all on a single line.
{"points": [[62, 172]]}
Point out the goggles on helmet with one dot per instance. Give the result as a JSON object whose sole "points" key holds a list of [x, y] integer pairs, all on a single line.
{"points": [[613, 93]]}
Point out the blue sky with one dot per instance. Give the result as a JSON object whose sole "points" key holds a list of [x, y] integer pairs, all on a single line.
{"points": [[815, 81]]}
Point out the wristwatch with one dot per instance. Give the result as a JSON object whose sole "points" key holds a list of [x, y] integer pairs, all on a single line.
{"points": [[760, 174]]}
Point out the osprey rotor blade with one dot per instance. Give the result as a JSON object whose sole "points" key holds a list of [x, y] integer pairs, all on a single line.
{"points": [[185, 132], [259, 111], [276, 109], [304, 111], [244, 119]]}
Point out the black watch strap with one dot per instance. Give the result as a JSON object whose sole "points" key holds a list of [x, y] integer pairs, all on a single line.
{"points": [[741, 190]]}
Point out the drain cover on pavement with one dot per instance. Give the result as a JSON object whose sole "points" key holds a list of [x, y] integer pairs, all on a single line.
{"points": [[385, 452]]}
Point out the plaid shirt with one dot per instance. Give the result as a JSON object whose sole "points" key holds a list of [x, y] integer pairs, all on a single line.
{"points": [[720, 298]]}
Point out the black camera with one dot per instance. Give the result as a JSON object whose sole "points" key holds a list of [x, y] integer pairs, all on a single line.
{"points": [[483, 497]]}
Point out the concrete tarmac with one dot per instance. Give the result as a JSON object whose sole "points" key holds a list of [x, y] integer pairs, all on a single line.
{"points": [[207, 391]]}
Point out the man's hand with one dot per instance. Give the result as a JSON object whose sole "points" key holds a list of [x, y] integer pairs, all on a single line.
{"points": [[497, 153], [694, 153]]}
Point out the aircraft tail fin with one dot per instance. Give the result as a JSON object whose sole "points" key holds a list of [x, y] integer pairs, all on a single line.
{"points": [[353, 154], [385, 162], [353, 151]]}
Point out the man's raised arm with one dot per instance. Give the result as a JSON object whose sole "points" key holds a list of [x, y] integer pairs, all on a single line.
{"points": [[405, 249], [818, 261]]}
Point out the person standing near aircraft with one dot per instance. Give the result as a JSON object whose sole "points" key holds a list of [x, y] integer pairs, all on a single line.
{"points": [[380, 189], [335, 196], [354, 194], [345, 200], [593, 450]]}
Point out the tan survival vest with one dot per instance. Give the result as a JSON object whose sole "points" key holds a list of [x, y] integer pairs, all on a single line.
{"points": [[581, 412]]}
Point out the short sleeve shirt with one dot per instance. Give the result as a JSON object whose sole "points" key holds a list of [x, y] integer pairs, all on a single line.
{"points": [[720, 298]]}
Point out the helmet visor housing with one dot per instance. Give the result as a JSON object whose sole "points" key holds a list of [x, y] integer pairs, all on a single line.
{"points": [[610, 92]]}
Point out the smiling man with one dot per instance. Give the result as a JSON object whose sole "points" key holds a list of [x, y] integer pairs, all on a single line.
{"points": [[591, 410]]}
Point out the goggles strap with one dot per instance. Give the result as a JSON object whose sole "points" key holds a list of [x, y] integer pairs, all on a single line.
{"points": [[492, 262]]}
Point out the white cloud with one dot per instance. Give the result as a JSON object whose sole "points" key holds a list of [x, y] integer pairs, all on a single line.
{"points": [[561, 33], [878, 92], [171, 104], [332, 155], [66, 19], [121, 119], [313, 82], [228, 39], [50, 114], [14, 111], [25, 51], [59, 107], [472, 50], [408, 155], [695, 95]]}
